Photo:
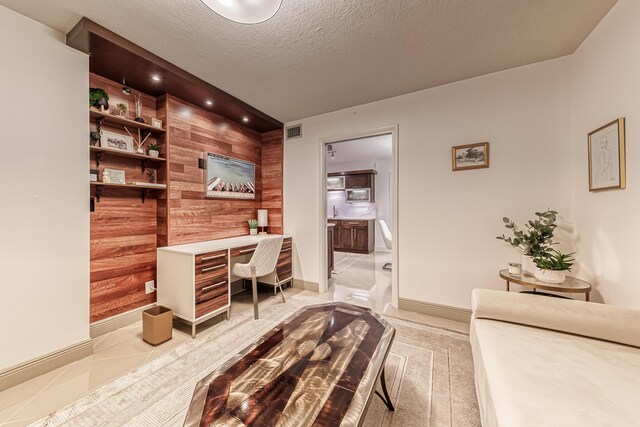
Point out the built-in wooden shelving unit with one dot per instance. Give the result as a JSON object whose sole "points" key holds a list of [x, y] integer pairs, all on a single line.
{"points": [[144, 188], [144, 159], [105, 117]]}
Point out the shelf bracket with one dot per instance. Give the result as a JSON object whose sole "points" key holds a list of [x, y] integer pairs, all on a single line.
{"points": [[143, 194], [144, 163], [99, 122], [98, 192], [99, 155]]}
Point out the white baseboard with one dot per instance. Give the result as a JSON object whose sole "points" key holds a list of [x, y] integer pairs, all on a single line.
{"points": [[436, 310], [47, 363], [308, 286], [118, 321]]}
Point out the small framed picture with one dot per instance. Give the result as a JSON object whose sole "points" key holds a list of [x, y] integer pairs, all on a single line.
{"points": [[94, 175], [156, 123], [116, 141], [113, 176], [607, 168], [470, 156]]}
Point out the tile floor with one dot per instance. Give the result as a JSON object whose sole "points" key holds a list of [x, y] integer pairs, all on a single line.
{"points": [[358, 279]]}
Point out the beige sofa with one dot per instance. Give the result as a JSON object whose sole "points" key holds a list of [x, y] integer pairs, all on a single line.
{"points": [[543, 361]]}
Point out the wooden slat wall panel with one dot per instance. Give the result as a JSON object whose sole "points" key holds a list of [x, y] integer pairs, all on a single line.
{"points": [[192, 132], [272, 175], [123, 229]]}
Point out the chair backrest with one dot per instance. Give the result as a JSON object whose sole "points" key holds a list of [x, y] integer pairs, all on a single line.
{"points": [[386, 233], [265, 257]]}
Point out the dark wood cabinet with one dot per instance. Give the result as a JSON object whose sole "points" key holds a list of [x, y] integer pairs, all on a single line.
{"points": [[355, 180], [356, 236], [358, 180]]}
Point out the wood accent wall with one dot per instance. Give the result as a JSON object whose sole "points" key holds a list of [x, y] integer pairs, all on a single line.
{"points": [[272, 174], [125, 232], [192, 132]]}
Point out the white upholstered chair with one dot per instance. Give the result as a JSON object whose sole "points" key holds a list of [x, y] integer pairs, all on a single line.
{"points": [[262, 262], [386, 236]]}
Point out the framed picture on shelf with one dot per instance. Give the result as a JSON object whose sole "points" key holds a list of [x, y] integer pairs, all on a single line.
{"points": [[470, 156], [113, 176], [607, 168], [229, 178], [116, 141], [156, 123]]}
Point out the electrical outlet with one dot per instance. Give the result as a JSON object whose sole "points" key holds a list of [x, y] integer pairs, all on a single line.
{"points": [[149, 287]]}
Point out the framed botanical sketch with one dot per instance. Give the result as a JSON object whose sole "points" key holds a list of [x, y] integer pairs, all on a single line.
{"points": [[470, 156], [607, 157]]}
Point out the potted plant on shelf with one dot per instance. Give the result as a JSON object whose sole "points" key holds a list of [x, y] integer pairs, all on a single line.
{"points": [[253, 227], [535, 239], [122, 108], [99, 99], [551, 265], [154, 150]]}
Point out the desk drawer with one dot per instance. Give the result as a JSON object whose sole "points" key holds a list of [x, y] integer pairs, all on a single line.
{"points": [[243, 250], [211, 272], [210, 298], [355, 223], [287, 244], [216, 257], [210, 290]]}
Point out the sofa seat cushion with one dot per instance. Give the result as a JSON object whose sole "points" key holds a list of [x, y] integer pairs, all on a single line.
{"points": [[528, 376]]}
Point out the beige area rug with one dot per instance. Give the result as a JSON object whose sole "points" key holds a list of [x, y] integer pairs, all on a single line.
{"points": [[429, 376]]}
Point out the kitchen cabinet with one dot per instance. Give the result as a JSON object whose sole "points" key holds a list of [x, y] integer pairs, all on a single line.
{"points": [[356, 236], [353, 180]]}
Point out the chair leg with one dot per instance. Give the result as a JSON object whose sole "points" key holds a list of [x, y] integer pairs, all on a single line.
{"points": [[254, 286], [284, 299]]}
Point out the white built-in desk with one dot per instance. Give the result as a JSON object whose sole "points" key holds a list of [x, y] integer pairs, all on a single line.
{"points": [[194, 279]]}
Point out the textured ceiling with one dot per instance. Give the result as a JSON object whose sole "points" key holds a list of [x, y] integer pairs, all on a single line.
{"points": [[317, 56]]}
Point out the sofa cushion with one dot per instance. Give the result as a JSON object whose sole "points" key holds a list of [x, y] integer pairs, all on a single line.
{"points": [[526, 376], [593, 320]]}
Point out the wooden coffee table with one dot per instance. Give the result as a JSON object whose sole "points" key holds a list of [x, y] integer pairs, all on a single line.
{"points": [[570, 285], [319, 367]]}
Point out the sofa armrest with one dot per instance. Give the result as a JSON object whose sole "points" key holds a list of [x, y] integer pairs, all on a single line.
{"points": [[601, 321]]}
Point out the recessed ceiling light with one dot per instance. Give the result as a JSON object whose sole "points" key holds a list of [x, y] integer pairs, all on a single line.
{"points": [[155, 78], [244, 11], [245, 119], [209, 102]]}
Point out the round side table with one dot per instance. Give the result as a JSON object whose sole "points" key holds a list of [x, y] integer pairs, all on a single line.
{"points": [[570, 285]]}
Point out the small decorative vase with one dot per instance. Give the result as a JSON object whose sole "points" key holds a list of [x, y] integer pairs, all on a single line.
{"points": [[102, 104], [549, 276], [528, 267], [253, 231], [138, 104], [140, 150], [154, 153]]}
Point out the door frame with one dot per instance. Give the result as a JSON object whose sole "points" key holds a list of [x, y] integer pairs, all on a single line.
{"points": [[324, 141]]}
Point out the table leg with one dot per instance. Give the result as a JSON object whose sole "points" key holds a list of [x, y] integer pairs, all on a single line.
{"points": [[193, 330], [386, 399], [587, 296], [507, 285]]}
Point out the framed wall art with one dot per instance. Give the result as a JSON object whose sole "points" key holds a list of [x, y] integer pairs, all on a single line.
{"points": [[470, 156], [607, 168], [116, 141], [229, 178]]}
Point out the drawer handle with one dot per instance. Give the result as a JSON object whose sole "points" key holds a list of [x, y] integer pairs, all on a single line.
{"points": [[285, 250], [204, 270], [244, 251], [213, 286], [209, 258]]}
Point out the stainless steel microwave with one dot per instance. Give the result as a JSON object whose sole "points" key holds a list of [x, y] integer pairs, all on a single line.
{"points": [[358, 195]]}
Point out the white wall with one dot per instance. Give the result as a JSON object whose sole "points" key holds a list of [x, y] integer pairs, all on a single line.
{"points": [[44, 191], [448, 220], [606, 85]]}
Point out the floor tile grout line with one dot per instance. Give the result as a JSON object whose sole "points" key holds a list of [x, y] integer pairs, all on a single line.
{"points": [[28, 401]]}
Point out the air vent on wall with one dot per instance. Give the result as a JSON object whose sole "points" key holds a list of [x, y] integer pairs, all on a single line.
{"points": [[294, 131]]}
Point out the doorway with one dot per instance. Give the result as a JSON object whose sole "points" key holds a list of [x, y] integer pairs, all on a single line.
{"points": [[359, 200]]}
